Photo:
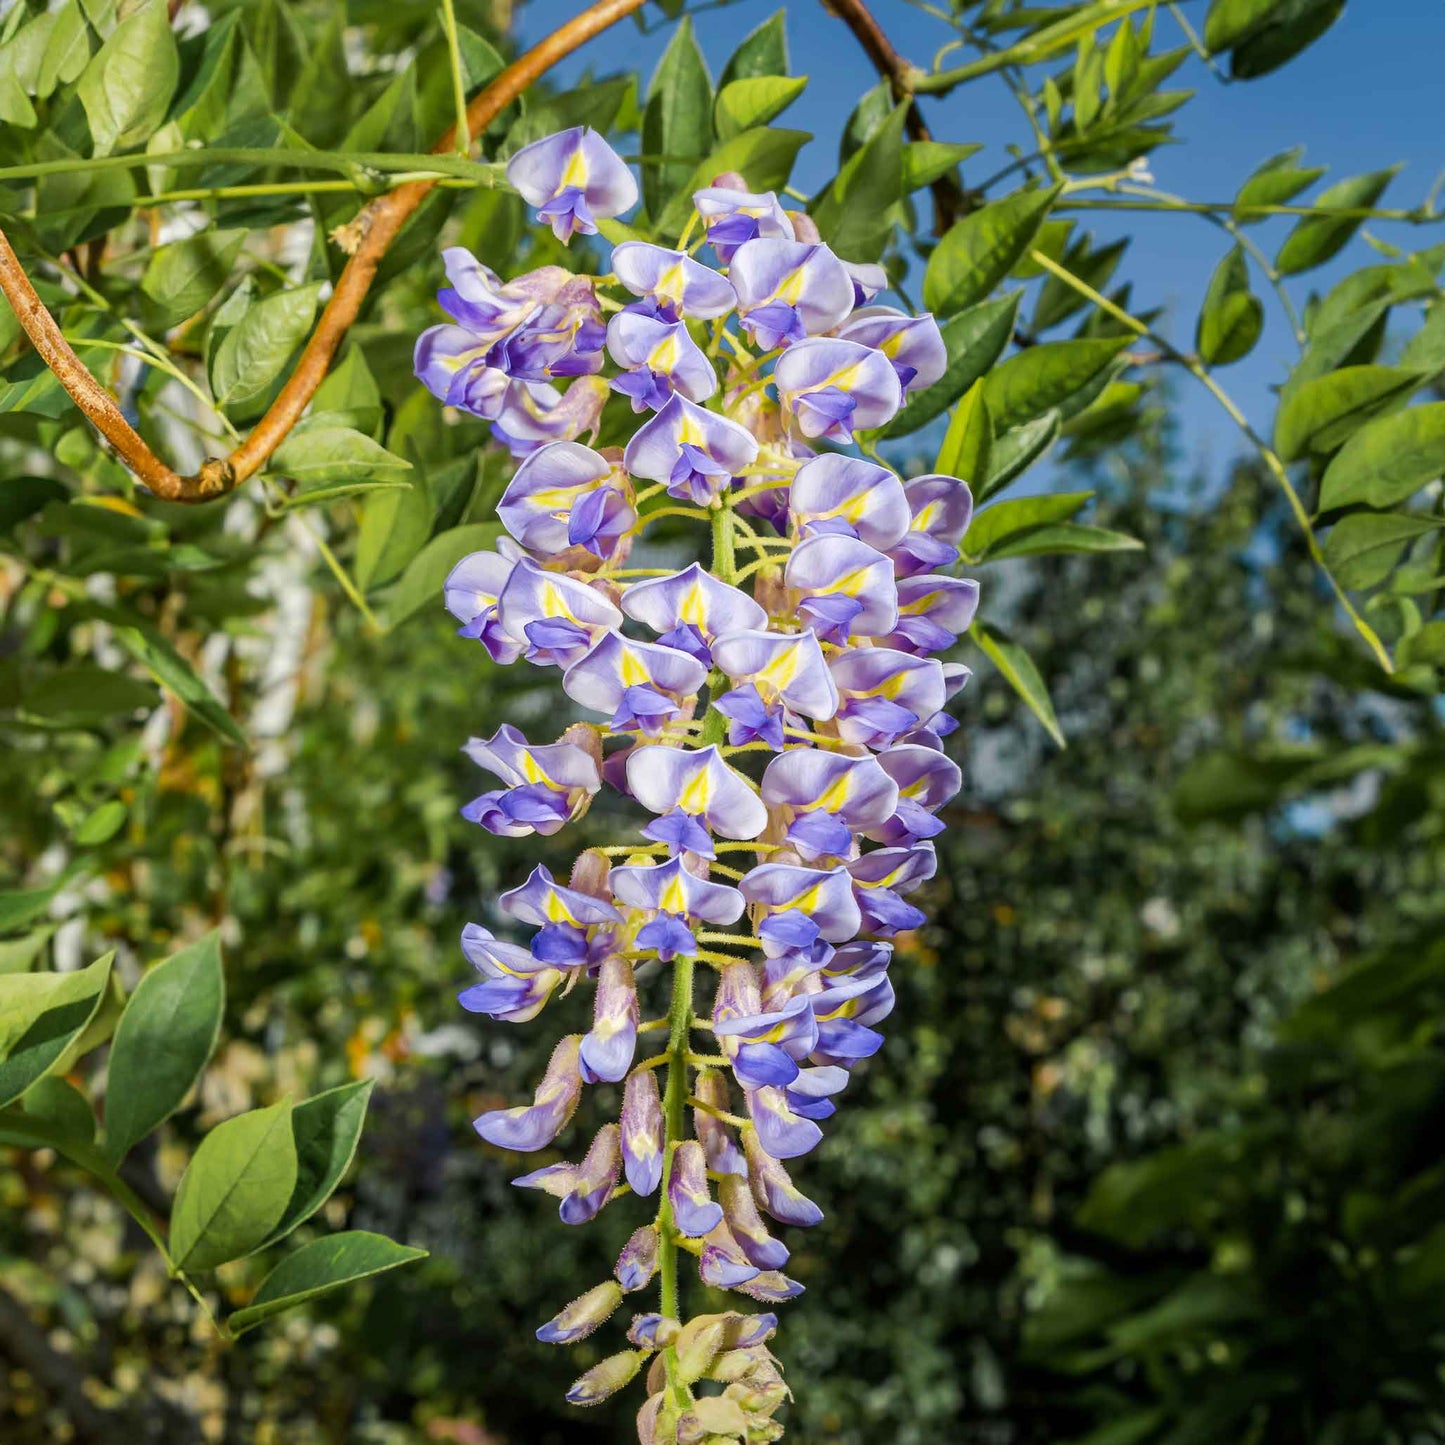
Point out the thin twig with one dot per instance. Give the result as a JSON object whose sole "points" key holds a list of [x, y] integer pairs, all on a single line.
{"points": [[1270, 457], [373, 230]]}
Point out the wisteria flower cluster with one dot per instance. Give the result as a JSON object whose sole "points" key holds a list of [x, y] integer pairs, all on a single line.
{"points": [[777, 715]]}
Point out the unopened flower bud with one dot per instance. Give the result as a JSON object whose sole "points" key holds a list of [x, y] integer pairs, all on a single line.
{"points": [[653, 1331], [698, 1345], [583, 1315], [638, 1261], [606, 1378], [805, 228], [590, 873], [716, 1415]]}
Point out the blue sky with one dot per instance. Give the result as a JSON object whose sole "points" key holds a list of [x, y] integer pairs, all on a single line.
{"points": [[1365, 96]]}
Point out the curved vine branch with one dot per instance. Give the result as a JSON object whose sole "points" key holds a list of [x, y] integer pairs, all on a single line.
{"points": [[949, 200], [374, 229]]}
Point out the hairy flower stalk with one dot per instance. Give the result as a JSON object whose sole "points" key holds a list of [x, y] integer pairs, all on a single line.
{"points": [[778, 716]]}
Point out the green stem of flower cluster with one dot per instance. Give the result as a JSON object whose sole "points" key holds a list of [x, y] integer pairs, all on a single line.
{"points": [[680, 1024]]}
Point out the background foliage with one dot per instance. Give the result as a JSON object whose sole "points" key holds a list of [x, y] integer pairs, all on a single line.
{"points": [[1152, 1152]]}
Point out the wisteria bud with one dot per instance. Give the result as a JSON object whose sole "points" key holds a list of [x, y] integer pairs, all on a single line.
{"points": [[698, 1346], [638, 1261], [583, 1315], [652, 1331], [716, 1415], [606, 1378]]}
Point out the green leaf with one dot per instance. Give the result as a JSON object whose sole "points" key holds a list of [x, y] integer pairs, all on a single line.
{"points": [[1425, 350], [394, 525], [1064, 538], [328, 459], [351, 391], [763, 51], [130, 80], [67, 50], [235, 1189], [1296, 25], [973, 341], [1014, 451], [318, 1268], [179, 678], [41, 1014], [1021, 674], [1321, 413], [1362, 548], [1276, 182], [18, 906], [22, 497], [1387, 460], [677, 121], [17, 954], [1006, 519], [1231, 318], [1035, 380], [1230, 21], [980, 250], [101, 824], [254, 350], [1315, 239], [742, 104], [183, 276], [925, 161], [327, 1130], [854, 213], [83, 694], [421, 584], [763, 156], [62, 1106], [162, 1043], [965, 449]]}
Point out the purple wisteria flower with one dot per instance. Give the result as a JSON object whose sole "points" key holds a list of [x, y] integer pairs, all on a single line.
{"points": [[732, 216], [941, 508], [566, 495], [546, 785], [471, 591], [812, 638], [842, 587], [574, 179], [691, 609], [554, 617], [788, 290], [849, 497], [913, 344], [657, 358], [695, 453], [831, 388], [671, 284]]}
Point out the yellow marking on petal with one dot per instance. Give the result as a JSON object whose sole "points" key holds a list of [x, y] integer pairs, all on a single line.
{"points": [[836, 794], [697, 792], [925, 518], [532, 770], [670, 283], [672, 899], [666, 353], [782, 670], [632, 669], [693, 606], [574, 173]]}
